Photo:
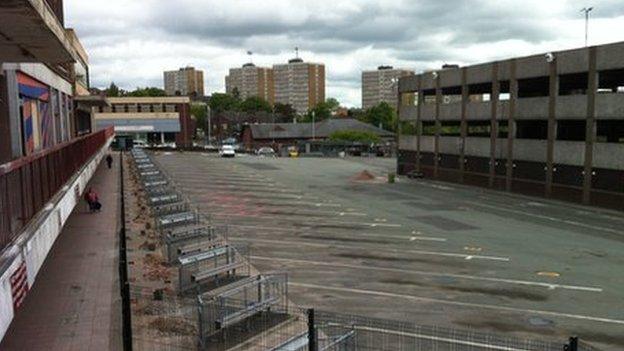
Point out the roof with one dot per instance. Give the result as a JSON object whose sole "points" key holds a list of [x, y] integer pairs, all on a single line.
{"points": [[304, 130]]}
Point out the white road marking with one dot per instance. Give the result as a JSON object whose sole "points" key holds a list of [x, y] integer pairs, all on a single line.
{"points": [[452, 341], [383, 236], [417, 252], [316, 222], [458, 303], [548, 286]]}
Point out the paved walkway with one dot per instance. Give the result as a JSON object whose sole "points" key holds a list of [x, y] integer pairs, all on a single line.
{"points": [[75, 302]]}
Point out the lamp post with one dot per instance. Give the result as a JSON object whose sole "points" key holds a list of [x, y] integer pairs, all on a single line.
{"points": [[209, 122], [313, 127], [586, 10]]}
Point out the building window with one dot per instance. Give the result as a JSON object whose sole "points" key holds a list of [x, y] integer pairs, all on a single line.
{"points": [[450, 128], [429, 128], [571, 130], [610, 131], [503, 129], [451, 95], [407, 128], [479, 92], [533, 87], [573, 84], [532, 129], [611, 81], [479, 129]]}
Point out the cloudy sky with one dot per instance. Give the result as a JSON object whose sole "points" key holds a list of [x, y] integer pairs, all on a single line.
{"points": [[131, 42]]}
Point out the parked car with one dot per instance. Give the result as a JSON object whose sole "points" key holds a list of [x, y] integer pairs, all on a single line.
{"points": [[265, 151], [139, 143], [227, 151]]}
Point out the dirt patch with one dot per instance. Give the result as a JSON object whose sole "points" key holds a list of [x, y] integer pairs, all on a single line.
{"points": [[364, 176], [173, 325], [499, 292], [400, 259]]}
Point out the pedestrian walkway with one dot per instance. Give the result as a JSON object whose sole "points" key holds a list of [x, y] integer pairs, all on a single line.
{"points": [[75, 302]]}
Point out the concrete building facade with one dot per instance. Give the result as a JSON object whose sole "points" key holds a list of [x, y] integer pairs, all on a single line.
{"points": [[549, 125], [186, 81], [300, 84], [250, 80], [153, 119], [381, 85]]}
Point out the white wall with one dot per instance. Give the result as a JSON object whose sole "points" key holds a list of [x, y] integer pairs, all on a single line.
{"points": [[44, 230]]}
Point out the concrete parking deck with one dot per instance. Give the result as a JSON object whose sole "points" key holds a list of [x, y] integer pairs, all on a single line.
{"points": [[418, 250], [75, 301]]}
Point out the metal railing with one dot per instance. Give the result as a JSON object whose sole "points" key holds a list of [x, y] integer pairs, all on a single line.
{"points": [[28, 183]]}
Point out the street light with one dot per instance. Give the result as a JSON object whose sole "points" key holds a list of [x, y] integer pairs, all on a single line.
{"points": [[586, 10], [313, 127]]}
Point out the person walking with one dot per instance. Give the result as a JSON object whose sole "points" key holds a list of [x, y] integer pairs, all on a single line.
{"points": [[93, 200], [109, 161]]}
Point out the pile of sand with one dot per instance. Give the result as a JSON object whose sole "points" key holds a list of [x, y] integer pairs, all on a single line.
{"points": [[363, 176]]}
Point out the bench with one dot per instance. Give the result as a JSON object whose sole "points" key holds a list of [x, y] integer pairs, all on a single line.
{"points": [[214, 272], [249, 310]]}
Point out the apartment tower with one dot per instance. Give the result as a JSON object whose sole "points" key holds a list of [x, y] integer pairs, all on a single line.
{"points": [[250, 80], [381, 85], [300, 84], [186, 81]]}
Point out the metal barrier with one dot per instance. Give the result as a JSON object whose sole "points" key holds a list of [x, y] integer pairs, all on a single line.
{"points": [[28, 183], [231, 309], [204, 268], [182, 241]]}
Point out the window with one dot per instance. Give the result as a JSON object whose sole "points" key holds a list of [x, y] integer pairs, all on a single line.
{"points": [[503, 129], [533, 87], [407, 128], [532, 129], [480, 92], [429, 128], [610, 131], [450, 128], [451, 95], [571, 130], [573, 84], [611, 81], [479, 129]]}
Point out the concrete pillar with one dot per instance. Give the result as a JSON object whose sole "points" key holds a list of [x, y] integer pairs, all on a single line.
{"points": [[421, 99], [590, 127], [552, 125], [463, 125], [436, 156], [511, 124], [493, 122], [162, 138]]}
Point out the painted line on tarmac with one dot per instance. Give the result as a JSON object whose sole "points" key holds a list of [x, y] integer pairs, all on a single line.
{"points": [[262, 209], [458, 303], [417, 252], [290, 217], [553, 219], [452, 341], [372, 235], [441, 275]]}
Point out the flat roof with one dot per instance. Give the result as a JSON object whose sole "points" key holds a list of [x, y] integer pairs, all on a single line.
{"points": [[150, 100]]}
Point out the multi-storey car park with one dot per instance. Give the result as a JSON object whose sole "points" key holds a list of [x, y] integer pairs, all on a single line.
{"points": [[549, 125]]}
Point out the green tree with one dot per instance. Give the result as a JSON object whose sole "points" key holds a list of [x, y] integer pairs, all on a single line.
{"points": [[382, 115], [147, 91], [355, 136], [285, 110], [321, 112], [255, 104], [201, 116], [112, 90], [332, 104], [220, 102]]}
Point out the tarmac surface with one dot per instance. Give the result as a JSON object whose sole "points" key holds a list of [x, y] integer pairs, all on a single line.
{"points": [[418, 250]]}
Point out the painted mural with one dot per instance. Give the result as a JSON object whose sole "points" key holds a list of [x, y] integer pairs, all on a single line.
{"points": [[36, 114]]}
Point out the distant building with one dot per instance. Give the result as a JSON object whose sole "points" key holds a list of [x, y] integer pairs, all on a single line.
{"points": [[153, 119], [186, 81], [283, 134], [381, 85], [300, 84], [250, 80]]}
